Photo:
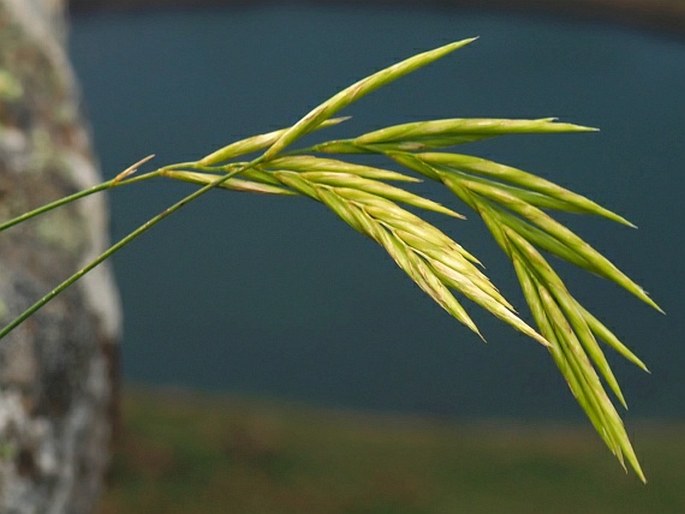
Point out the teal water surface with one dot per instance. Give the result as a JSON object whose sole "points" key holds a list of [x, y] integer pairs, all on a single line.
{"points": [[274, 296]]}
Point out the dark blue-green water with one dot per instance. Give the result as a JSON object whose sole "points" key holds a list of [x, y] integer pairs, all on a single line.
{"points": [[276, 297]]}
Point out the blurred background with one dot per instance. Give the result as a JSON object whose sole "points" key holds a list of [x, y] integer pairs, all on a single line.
{"points": [[276, 361]]}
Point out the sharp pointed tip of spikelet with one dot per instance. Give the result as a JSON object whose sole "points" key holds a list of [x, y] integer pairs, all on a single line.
{"points": [[534, 335], [641, 475], [622, 401], [451, 213], [623, 221], [543, 341], [573, 127], [133, 168], [656, 306], [644, 296], [461, 43], [474, 328], [582, 128]]}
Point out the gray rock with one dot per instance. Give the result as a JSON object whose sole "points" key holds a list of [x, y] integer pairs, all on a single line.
{"points": [[58, 369]]}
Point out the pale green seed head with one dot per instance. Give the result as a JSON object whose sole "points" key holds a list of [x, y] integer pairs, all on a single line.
{"points": [[294, 181], [356, 91], [343, 209], [234, 184], [610, 339], [254, 144], [449, 132], [378, 188], [523, 179], [598, 263], [305, 163]]}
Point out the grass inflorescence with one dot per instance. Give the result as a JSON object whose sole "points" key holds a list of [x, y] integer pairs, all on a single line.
{"points": [[375, 201]]}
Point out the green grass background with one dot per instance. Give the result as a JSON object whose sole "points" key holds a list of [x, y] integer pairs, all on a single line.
{"points": [[183, 452]]}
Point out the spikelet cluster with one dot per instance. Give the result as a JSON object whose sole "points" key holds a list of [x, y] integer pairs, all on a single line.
{"points": [[377, 202], [514, 205]]}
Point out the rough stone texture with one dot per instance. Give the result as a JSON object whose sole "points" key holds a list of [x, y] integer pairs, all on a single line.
{"points": [[57, 369]]}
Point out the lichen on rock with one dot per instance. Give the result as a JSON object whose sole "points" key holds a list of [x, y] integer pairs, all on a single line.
{"points": [[57, 370]]}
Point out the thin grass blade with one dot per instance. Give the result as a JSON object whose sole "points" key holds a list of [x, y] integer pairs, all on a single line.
{"points": [[118, 245], [104, 186]]}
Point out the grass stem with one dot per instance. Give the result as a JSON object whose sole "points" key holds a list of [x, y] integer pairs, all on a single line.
{"points": [[119, 244]]}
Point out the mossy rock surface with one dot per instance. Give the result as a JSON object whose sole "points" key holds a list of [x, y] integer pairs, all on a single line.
{"points": [[55, 370]]}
